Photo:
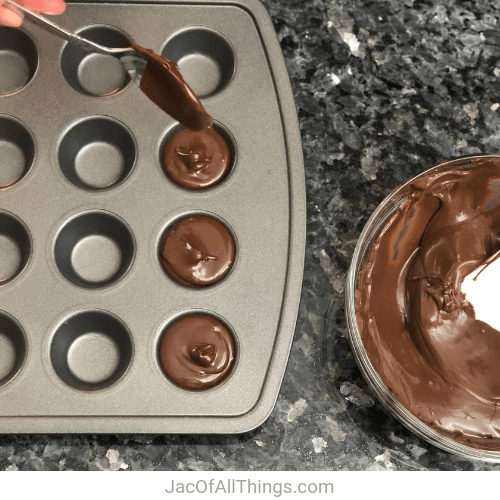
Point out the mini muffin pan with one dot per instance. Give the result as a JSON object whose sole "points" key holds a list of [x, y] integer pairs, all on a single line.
{"points": [[85, 203]]}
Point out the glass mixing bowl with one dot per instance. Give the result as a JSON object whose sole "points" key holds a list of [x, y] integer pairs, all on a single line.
{"points": [[375, 224]]}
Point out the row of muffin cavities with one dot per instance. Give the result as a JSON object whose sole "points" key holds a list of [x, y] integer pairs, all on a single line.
{"points": [[99, 153], [96, 248], [205, 59], [92, 349]]}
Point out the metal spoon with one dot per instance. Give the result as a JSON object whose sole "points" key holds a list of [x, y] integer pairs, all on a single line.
{"points": [[134, 63]]}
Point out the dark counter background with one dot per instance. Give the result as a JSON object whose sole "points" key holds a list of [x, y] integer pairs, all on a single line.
{"points": [[383, 89]]}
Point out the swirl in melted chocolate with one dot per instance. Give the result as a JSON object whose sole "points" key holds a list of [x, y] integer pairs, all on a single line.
{"points": [[197, 251], [419, 330], [197, 159], [196, 352]]}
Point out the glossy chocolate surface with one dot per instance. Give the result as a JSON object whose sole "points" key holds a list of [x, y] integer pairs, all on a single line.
{"points": [[418, 328], [164, 85], [196, 352], [197, 251], [196, 159]]}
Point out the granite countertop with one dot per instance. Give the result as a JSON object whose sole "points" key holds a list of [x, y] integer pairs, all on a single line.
{"points": [[383, 89]]}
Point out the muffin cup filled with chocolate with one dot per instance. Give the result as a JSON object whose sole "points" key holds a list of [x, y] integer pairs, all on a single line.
{"points": [[197, 159], [197, 251], [197, 352], [418, 337]]}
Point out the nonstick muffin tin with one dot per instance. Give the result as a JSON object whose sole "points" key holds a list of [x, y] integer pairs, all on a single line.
{"points": [[84, 204]]}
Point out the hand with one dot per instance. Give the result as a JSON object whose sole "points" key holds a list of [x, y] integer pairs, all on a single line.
{"points": [[10, 16]]}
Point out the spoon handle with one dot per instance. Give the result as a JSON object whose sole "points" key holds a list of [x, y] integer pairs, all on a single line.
{"points": [[62, 33]]}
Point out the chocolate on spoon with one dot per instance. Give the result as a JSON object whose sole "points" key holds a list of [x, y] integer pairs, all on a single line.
{"points": [[158, 77], [164, 85]]}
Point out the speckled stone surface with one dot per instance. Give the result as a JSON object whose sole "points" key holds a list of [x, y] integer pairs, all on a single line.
{"points": [[383, 89]]}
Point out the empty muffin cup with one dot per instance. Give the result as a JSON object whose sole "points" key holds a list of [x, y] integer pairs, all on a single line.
{"points": [[12, 347], [15, 247], [17, 150], [97, 153], [18, 60], [94, 249], [95, 74], [91, 350], [205, 59]]}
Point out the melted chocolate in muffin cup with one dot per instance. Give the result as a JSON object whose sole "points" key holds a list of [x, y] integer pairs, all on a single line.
{"points": [[196, 159], [196, 352], [197, 251]]}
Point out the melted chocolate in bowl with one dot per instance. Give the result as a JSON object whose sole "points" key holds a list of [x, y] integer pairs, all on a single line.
{"points": [[196, 352], [197, 251], [414, 328]]}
